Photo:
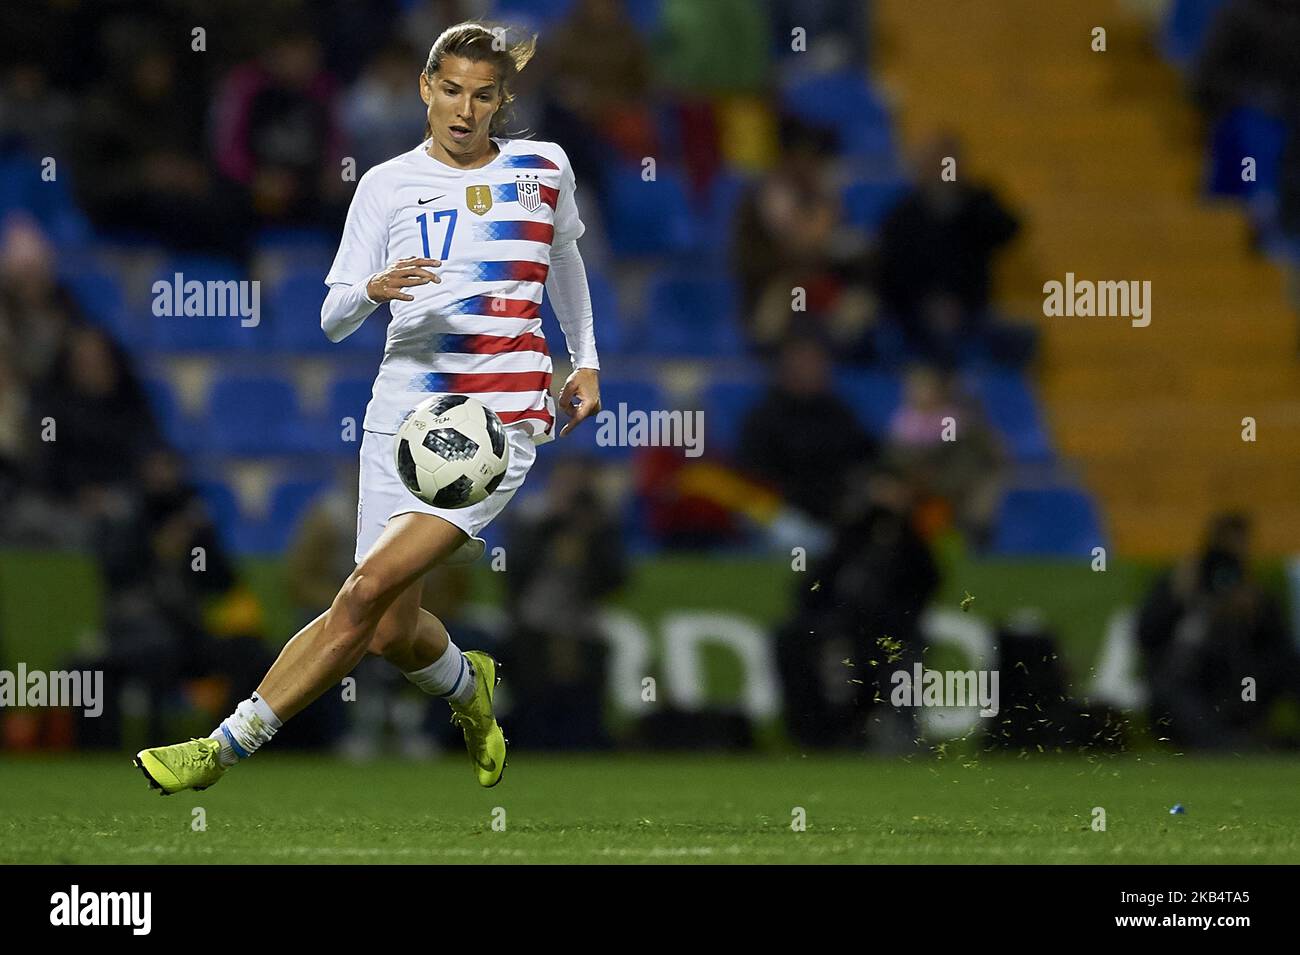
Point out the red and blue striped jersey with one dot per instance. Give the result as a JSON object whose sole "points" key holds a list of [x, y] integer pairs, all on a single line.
{"points": [[479, 331]]}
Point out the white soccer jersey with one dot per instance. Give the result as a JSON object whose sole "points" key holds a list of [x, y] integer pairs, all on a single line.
{"points": [[478, 332]]}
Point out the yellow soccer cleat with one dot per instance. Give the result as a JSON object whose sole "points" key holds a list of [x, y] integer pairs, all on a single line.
{"points": [[483, 737], [193, 765]]}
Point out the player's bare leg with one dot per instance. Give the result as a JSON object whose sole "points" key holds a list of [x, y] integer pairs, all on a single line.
{"points": [[329, 647], [317, 657], [417, 643]]}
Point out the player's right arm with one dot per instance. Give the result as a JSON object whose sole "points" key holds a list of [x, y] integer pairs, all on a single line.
{"points": [[359, 280]]}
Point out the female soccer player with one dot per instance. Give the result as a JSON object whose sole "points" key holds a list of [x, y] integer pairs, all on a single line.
{"points": [[460, 235]]}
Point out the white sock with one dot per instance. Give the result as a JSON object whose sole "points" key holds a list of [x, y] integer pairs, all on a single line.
{"points": [[450, 676], [244, 731]]}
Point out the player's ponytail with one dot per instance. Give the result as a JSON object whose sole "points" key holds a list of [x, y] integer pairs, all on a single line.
{"points": [[480, 42]]}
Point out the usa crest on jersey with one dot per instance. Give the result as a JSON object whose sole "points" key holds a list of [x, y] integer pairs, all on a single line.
{"points": [[530, 194]]}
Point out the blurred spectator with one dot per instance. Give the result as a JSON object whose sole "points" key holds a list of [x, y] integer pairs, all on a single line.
{"points": [[936, 252], [320, 554], [382, 112], [36, 312], [594, 71], [801, 437], [858, 619], [966, 471], [1205, 627], [139, 156], [274, 132], [103, 425], [1251, 58], [565, 556], [34, 118], [784, 230], [174, 610]]}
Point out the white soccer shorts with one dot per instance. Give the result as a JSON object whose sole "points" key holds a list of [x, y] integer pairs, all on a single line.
{"points": [[382, 495]]}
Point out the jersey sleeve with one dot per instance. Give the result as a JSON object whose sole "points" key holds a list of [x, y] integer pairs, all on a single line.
{"points": [[363, 250], [568, 225]]}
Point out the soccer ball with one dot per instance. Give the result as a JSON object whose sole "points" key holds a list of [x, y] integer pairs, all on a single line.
{"points": [[451, 451]]}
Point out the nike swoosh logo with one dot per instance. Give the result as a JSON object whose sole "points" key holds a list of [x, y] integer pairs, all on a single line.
{"points": [[423, 201]]}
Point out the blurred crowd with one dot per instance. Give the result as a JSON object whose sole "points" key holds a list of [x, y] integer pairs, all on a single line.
{"points": [[201, 143]]}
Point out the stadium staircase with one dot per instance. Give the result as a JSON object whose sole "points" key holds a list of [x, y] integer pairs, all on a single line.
{"points": [[1103, 154]]}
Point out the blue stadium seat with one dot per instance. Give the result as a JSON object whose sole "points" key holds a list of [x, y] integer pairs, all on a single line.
{"points": [[611, 337], [726, 403], [48, 202], [691, 316], [868, 201], [874, 395], [222, 505], [638, 395], [1048, 522], [171, 418], [842, 100], [254, 415], [1185, 29], [534, 12], [287, 506], [647, 218], [100, 296], [347, 398], [294, 304], [1011, 408], [718, 218], [1240, 133], [201, 332], [645, 14]]}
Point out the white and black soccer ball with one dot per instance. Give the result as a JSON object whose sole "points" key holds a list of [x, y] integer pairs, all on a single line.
{"points": [[451, 451]]}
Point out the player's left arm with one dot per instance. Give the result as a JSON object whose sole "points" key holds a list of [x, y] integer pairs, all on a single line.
{"points": [[566, 284]]}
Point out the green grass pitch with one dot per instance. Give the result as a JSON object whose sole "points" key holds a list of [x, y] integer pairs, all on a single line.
{"points": [[638, 809]]}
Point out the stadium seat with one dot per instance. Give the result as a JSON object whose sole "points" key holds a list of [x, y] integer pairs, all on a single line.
{"points": [[726, 403], [1011, 408], [637, 395], [868, 201], [1186, 25], [647, 218], [48, 202], [875, 395], [611, 338], [536, 13], [1048, 522], [288, 505], [690, 316], [841, 100], [201, 332], [222, 505], [99, 294], [1246, 132], [294, 305], [172, 421], [253, 415], [718, 217], [347, 398]]}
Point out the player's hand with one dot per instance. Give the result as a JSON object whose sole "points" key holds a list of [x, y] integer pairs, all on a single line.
{"points": [[386, 286], [584, 386]]}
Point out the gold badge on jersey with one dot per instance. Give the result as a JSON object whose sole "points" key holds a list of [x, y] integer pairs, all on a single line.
{"points": [[479, 199]]}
